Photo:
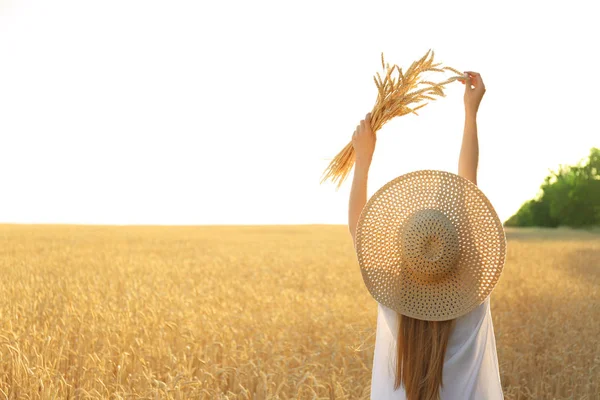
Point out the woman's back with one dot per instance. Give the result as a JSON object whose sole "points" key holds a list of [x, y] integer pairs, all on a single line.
{"points": [[430, 245], [470, 364]]}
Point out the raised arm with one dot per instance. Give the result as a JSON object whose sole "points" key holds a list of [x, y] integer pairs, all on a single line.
{"points": [[469, 151], [363, 141]]}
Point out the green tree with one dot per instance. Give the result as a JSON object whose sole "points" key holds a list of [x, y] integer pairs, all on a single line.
{"points": [[569, 196]]}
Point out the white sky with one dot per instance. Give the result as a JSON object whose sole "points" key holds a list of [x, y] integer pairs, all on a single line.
{"points": [[221, 112]]}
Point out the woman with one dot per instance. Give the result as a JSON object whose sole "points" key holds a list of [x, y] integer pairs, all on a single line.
{"points": [[452, 359]]}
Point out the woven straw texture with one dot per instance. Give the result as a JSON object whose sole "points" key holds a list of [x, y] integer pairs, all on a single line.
{"points": [[430, 245]]}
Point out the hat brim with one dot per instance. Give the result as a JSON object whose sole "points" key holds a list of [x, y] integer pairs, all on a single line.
{"points": [[482, 244]]}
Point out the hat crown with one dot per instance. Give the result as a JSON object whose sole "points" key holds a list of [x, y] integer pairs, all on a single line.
{"points": [[429, 244]]}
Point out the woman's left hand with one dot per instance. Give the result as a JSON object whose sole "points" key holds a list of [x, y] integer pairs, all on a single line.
{"points": [[363, 141]]}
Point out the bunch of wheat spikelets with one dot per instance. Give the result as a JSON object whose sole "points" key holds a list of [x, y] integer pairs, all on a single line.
{"points": [[395, 97]]}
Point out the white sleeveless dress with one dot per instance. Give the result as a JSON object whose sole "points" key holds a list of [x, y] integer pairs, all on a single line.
{"points": [[470, 364]]}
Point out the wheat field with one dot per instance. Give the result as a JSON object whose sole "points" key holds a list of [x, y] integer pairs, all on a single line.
{"points": [[278, 312]]}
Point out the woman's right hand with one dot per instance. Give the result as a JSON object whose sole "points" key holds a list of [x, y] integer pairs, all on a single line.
{"points": [[473, 95]]}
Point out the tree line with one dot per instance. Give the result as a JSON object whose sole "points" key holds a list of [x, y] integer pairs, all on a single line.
{"points": [[568, 197]]}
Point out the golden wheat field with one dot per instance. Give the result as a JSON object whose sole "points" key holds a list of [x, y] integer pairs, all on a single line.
{"points": [[275, 312]]}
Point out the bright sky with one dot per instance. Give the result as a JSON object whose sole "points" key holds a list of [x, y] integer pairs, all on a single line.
{"points": [[222, 112]]}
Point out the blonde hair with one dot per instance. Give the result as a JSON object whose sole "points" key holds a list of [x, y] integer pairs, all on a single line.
{"points": [[421, 347]]}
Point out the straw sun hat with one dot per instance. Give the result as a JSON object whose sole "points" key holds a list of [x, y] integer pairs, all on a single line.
{"points": [[430, 245]]}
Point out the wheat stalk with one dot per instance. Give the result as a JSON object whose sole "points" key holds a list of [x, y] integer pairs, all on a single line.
{"points": [[396, 96]]}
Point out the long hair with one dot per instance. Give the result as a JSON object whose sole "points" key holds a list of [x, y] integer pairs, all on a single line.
{"points": [[421, 347]]}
